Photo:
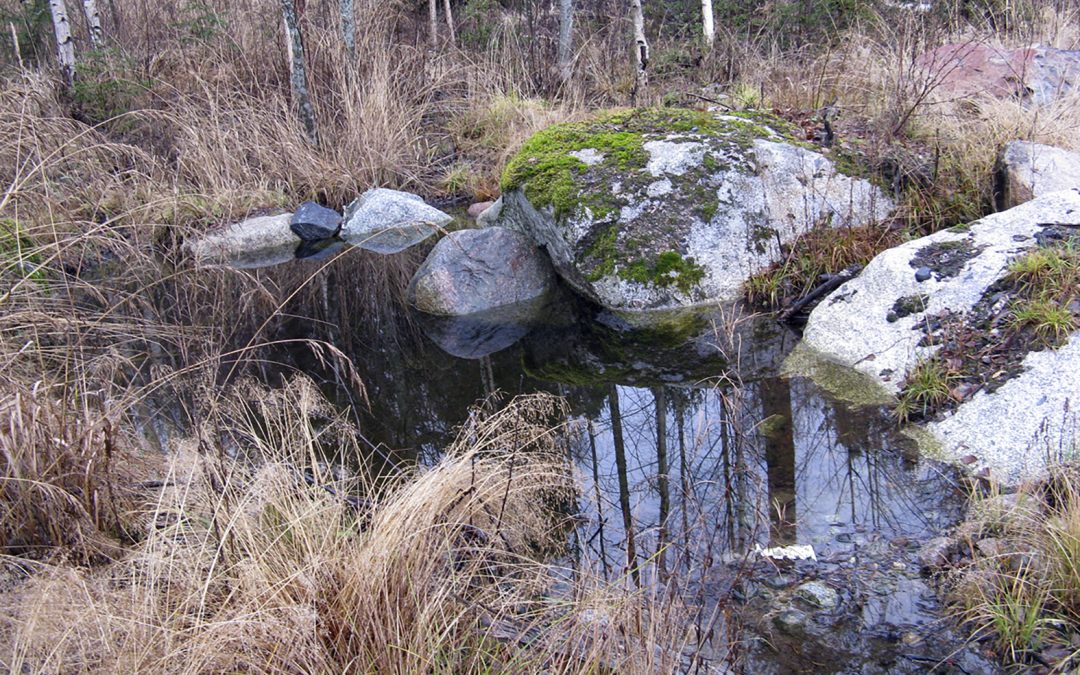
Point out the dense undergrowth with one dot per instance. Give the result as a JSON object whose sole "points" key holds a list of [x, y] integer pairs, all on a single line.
{"points": [[119, 558]]}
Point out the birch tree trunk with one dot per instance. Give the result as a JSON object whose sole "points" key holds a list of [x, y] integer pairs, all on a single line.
{"points": [[93, 23], [297, 71], [348, 27], [641, 51], [65, 47], [708, 26], [433, 20], [566, 40], [450, 21]]}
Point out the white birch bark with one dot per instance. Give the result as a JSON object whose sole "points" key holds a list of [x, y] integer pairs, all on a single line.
{"points": [[433, 20], [641, 51], [65, 46], [348, 27], [708, 26], [297, 71], [93, 23], [566, 40], [450, 21]]}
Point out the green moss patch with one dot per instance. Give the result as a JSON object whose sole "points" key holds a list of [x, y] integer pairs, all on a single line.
{"points": [[549, 174]]}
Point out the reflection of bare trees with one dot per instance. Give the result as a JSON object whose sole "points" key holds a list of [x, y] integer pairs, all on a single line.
{"points": [[660, 400], [775, 396], [624, 481]]}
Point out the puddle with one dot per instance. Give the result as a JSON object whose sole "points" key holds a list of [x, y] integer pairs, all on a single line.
{"points": [[694, 453]]}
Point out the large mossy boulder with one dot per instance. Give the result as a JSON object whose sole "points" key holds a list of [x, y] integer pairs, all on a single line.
{"points": [[654, 209]]}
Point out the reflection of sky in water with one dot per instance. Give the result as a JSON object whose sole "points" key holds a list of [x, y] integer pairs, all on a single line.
{"points": [[812, 473], [774, 462]]}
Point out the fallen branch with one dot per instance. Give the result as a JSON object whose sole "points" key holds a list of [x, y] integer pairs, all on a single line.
{"points": [[831, 283]]}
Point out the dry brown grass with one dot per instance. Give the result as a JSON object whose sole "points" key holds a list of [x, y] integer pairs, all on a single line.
{"points": [[245, 566]]}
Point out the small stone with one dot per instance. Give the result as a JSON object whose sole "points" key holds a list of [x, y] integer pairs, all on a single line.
{"points": [[479, 207], [936, 552], [818, 594], [892, 317], [778, 581], [990, 547], [922, 274], [388, 221], [791, 621], [312, 222]]}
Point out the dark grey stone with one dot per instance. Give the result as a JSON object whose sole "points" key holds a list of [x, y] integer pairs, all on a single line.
{"points": [[312, 222], [922, 274], [317, 251]]}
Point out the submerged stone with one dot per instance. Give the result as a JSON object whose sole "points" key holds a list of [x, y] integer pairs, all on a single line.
{"points": [[253, 243], [819, 595], [472, 336], [666, 208], [388, 221]]}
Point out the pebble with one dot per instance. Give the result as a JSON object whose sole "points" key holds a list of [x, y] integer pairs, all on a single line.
{"points": [[922, 274], [818, 594], [790, 621]]}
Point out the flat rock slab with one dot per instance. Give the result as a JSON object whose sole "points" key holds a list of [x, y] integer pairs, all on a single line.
{"points": [[873, 324], [312, 222], [253, 243], [471, 271], [1027, 424], [389, 221], [1028, 170], [1036, 75]]}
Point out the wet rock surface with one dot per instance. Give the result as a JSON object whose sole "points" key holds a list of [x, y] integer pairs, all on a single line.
{"points": [[858, 326], [250, 244], [389, 221], [313, 222]]}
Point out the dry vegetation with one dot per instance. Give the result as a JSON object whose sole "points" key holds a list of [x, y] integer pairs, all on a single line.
{"points": [[122, 560]]}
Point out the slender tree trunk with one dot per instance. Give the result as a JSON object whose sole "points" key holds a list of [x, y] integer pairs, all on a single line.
{"points": [[708, 26], [641, 52], [93, 23], [348, 27], [297, 71], [433, 21], [450, 21], [566, 40], [65, 46]]}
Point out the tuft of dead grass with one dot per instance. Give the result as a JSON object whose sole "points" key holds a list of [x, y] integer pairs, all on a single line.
{"points": [[278, 565], [1021, 589]]}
